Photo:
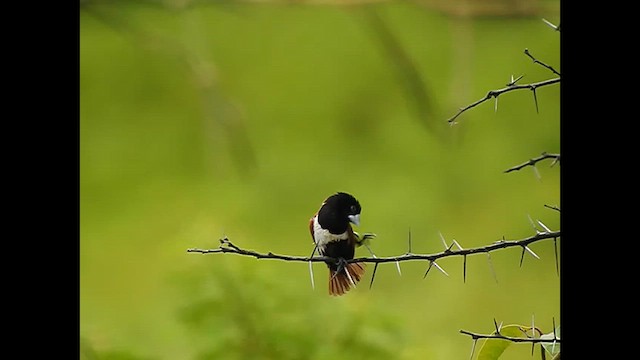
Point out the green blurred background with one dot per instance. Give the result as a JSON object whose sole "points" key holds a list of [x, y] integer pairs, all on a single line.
{"points": [[200, 120]]}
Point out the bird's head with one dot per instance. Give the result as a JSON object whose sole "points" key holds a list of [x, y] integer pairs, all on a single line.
{"points": [[344, 207]]}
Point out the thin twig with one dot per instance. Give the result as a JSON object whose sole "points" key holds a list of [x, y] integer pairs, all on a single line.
{"points": [[496, 93], [476, 336], [511, 86], [534, 161], [552, 207], [536, 61]]}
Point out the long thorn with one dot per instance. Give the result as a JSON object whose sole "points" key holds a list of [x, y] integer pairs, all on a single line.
{"points": [[522, 256], [531, 252], [533, 333], [533, 326], [313, 284], [314, 251], [493, 272], [556, 28], [536, 172], [544, 226], [533, 225], [464, 270], [535, 99], [444, 243], [555, 249], [398, 267], [448, 249], [473, 348], [375, 268], [553, 345], [429, 268], [439, 268], [371, 252]]}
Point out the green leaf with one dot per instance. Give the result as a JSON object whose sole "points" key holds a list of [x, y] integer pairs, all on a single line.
{"points": [[552, 348], [491, 349]]}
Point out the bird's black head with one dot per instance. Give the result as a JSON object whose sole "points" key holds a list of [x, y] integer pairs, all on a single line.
{"points": [[337, 211]]}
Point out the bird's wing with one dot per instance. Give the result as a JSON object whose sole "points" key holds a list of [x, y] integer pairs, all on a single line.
{"points": [[311, 228]]}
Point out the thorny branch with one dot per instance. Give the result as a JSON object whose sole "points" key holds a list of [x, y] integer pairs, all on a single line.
{"points": [[511, 86], [532, 339], [496, 93], [227, 246], [532, 162], [476, 336]]}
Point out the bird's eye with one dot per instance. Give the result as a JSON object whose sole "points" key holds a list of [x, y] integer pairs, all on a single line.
{"points": [[353, 208]]}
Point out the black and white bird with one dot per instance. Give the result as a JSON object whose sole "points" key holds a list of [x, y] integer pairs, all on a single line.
{"points": [[332, 233]]}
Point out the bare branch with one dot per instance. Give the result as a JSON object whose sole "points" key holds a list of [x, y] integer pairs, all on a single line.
{"points": [[525, 338], [552, 207], [227, 247], [536, 61], [534, 161], [476, 336], [496, 93], [511, 86]]}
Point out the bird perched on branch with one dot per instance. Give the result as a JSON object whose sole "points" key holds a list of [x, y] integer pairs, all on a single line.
{"points": [[332, 233]]}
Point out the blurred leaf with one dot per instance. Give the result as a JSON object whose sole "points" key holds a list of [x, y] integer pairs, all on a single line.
{"points": [[492, 349], [552, 348]]}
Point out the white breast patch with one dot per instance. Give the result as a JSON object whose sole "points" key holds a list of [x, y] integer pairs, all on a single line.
{"points": [[322, 236]]}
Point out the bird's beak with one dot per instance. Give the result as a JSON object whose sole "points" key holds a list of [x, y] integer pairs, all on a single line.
{"points": [[355, 219]]}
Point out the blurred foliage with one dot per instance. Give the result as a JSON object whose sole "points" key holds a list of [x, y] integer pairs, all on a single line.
{"points": [[491, 349], [281, 325], [209, 119]]}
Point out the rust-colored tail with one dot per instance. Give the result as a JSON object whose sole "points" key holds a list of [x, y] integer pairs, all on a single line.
{"points": [[343, 282]]}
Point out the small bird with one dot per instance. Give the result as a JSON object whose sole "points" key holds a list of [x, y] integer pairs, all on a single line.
{"points": [[332, 233]]}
